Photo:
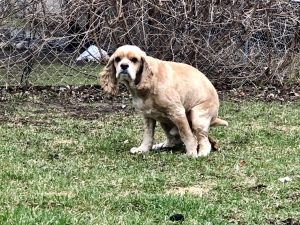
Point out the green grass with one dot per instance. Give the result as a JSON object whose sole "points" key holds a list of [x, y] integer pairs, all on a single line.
{"points": [[52, 74], [57, 169]]}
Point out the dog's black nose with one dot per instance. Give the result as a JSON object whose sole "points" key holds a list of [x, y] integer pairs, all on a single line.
{"points": [[124, 66]]}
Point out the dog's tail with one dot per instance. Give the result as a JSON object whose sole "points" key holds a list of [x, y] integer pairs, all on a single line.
{"points": [[218, 122]]}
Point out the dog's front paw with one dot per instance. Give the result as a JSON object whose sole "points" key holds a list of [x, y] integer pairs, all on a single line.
{"points": [[138, 150]]}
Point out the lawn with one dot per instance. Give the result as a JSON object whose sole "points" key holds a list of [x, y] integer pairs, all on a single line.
{"points": [[52, 74], [58, 168]]}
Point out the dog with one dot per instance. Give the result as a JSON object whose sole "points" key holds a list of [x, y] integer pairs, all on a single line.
{"points": [[177, 95]]}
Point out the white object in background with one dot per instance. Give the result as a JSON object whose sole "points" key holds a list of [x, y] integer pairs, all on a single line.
{"points": [[93, 54]]}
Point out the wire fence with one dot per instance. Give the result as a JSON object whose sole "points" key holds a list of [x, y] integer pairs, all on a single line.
{"points": [[64, 42]]}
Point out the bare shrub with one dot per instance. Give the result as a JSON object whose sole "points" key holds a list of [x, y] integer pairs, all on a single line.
{"points": [[233, 42]]}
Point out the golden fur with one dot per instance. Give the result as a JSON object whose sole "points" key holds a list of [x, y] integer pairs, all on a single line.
{"points": [[177, 95]]}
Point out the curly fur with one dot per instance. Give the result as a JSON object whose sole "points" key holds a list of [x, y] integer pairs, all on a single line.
{"points": [[143, 81], [177, 95], [108, 80]]}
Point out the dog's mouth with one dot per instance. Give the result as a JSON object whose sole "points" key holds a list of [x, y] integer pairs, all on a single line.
{"points": [[124, 75]]}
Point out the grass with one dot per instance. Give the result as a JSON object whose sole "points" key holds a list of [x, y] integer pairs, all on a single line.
{"points": [[58, 169], [52, 74]]}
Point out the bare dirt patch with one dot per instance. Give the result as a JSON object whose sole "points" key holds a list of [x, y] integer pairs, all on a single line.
{"points": [[87, 102], [60, 194], [197, 190], [90, 102]]}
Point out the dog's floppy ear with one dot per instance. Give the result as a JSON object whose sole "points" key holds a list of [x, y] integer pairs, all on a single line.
{"points": [[108, 80], [144, 76]]}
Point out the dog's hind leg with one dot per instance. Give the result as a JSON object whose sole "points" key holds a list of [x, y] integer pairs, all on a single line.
{"points": [[200, 120], [179, 118], [172, 135]]}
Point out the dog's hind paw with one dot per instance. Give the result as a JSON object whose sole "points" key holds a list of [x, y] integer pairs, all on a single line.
{"points": [[138, 150]]}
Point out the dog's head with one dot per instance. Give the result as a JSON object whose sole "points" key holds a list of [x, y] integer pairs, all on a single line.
{"points": [[128, 65]]}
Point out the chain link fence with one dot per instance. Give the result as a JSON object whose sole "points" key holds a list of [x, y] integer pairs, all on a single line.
{"points": [[64, 42]]}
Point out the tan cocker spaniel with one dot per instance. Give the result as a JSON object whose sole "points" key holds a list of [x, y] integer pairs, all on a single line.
{"points": [[177, 95]]}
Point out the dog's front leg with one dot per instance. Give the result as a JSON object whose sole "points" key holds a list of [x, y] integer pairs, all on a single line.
{"points": [[149, 127]]}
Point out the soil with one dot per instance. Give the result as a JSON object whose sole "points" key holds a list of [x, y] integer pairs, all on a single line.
{"points": [[85, 102], [76, 101]]}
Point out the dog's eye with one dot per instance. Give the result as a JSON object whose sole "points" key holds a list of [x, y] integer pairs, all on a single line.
{"points": [[134, 60], [117, 59]]}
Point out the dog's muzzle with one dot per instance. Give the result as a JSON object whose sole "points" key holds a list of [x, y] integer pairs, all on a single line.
{"points": [[124, 72], [124, 76]]}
